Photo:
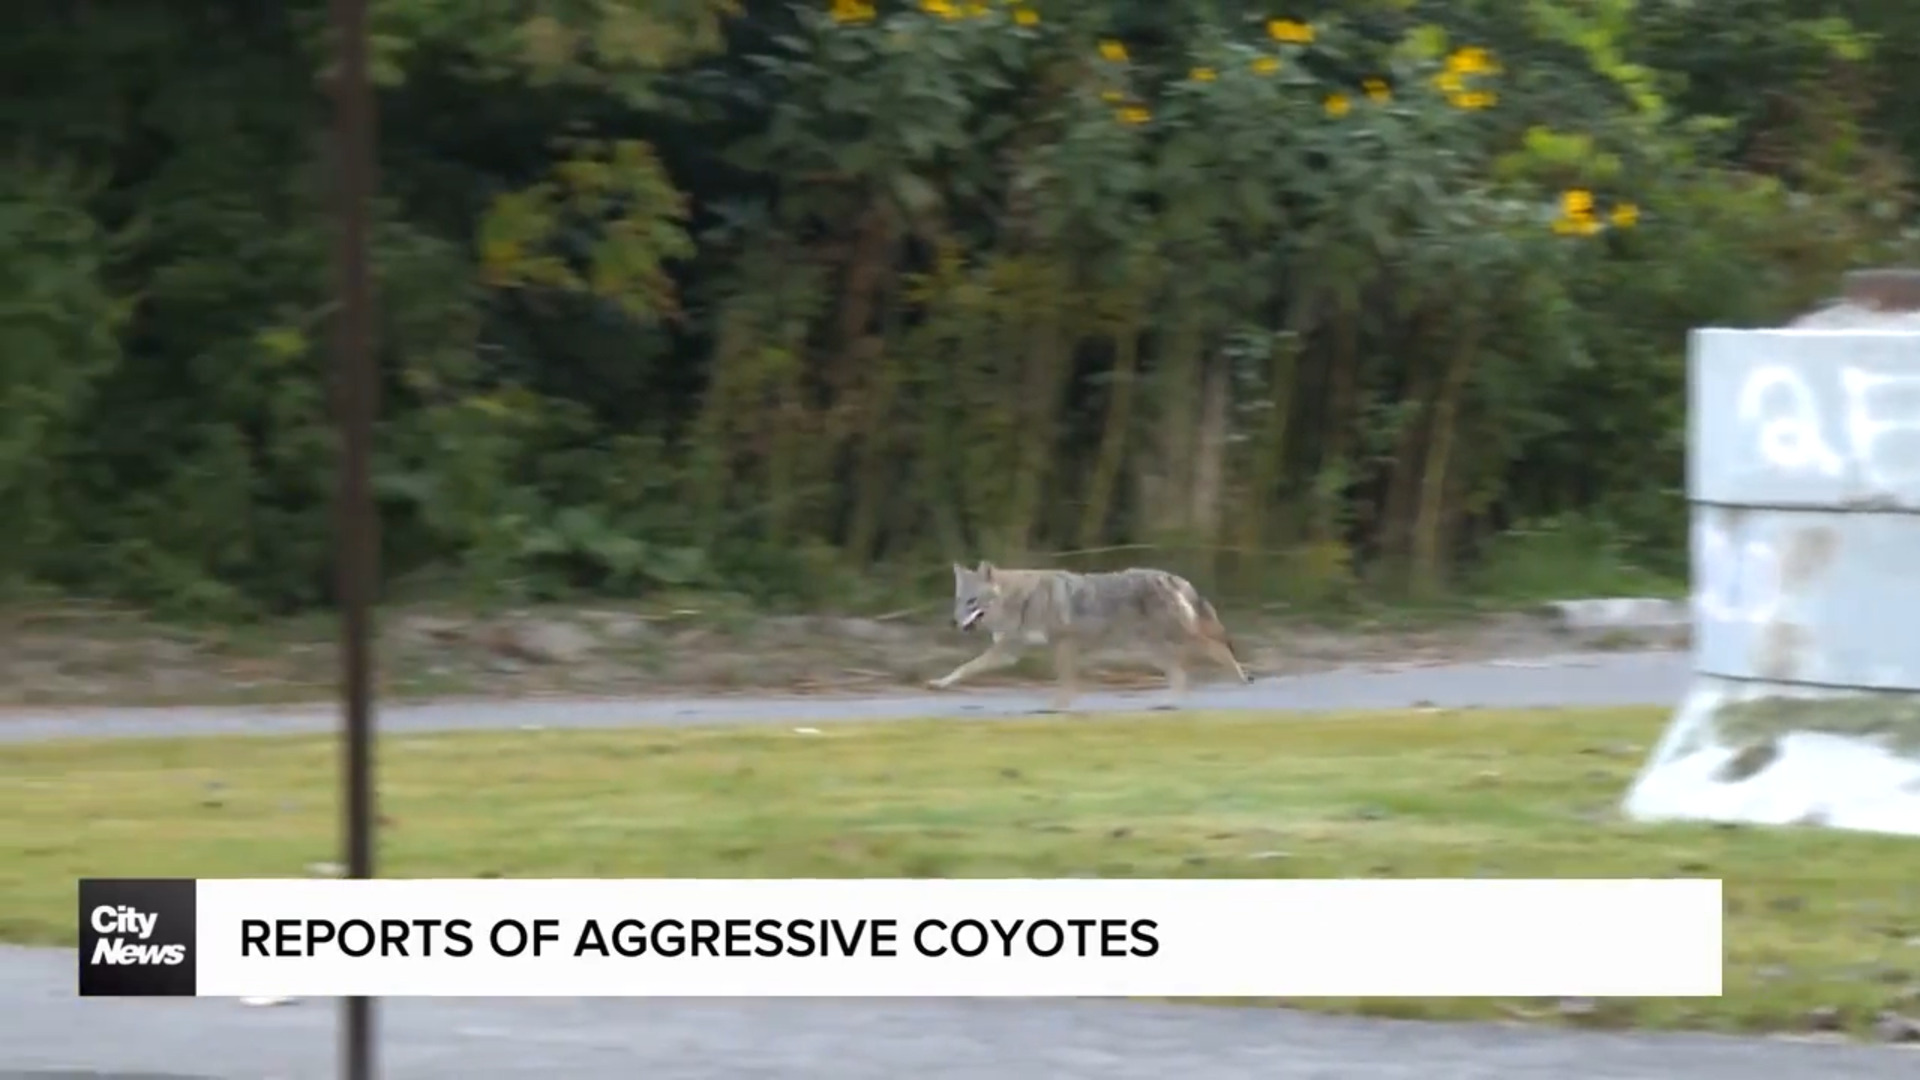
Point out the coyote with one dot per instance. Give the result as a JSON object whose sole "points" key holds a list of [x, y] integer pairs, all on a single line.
{"points": [[1151, 609]]}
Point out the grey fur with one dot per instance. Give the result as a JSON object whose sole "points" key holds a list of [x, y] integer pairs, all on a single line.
{"points": [[1140, 609]]}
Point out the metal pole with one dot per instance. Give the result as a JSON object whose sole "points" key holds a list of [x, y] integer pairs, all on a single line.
{"points": [[358, 525]]}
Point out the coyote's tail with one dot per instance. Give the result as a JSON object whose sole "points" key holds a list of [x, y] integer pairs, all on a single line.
{"points": [[1208, 625], [1211, 626]]}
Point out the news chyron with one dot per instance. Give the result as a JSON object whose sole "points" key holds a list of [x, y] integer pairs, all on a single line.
{"points": [[136, 937]]}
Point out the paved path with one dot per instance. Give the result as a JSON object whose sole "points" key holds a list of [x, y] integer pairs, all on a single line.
{"points": [[478, 1039], [1574, 679], [49, 1033]]}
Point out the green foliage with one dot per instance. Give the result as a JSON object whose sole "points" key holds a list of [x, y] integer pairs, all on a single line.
{"points": [[59, 334], [676, 295]]}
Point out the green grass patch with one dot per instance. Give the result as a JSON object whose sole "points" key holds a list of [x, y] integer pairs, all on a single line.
{"points": [[1816, 919], [1565, 560]]}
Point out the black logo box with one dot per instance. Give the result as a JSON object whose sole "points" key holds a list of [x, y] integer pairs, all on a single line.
{"points": [[123, 906]]}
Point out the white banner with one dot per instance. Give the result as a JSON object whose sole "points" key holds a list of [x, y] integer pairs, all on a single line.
{"points": [[957, 938]]}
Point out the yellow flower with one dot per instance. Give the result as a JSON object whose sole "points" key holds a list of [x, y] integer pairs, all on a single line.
{"points": [[1575, 226], [1576, 203], [1266, 65], [1113, 51], [942, 8], [1472, 60], [1472, 99], [1203, 74], [1377, 90], [1449, 82], [1289, 31], [1626, 215], [1338, 104], [1134, 114], [1026, 17], [976, 9], [848, 12], [1111, 96]]}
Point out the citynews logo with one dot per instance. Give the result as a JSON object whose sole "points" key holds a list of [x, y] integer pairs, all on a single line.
{"points": [[136, 937], [123, 920]]}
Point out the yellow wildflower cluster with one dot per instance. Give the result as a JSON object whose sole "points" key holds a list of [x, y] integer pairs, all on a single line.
{"points": [[1266, 65], [1113, 52], [1463, 64], [1576, 214], [851, 12], [1203, 74], [1376, 91], [1338, 105], [861, 11], [1576, 217], [1290, 32]]}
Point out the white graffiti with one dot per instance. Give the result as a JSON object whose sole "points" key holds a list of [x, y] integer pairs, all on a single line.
{"points": [[1736, 579], [1878, 420], [1785, 413]]}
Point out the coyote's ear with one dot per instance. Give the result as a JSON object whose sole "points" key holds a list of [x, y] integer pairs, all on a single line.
{"points": [[985, 570], [959, 572]]}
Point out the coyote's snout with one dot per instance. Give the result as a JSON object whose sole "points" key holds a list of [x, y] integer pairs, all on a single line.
{"points": [[1153, 610]]}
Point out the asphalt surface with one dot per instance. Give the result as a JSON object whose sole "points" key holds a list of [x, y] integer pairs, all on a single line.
{"points": [[1575, 679], [47, 1032], [939, 1039]]}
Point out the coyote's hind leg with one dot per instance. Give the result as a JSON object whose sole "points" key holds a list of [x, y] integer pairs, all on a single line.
{"points": [[1172, 666]]}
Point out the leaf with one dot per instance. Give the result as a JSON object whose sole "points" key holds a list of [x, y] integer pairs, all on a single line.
{"points": [[915, 193], [622, 556]]}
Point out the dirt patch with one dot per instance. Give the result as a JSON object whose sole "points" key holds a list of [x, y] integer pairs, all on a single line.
{"points": [[81, 655]]}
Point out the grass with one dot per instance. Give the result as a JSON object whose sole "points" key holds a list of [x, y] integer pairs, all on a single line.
{"points": [[1815, 919], [1564, 560]]}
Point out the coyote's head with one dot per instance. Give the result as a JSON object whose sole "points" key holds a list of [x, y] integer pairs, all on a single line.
{"points": [[974, 591]]}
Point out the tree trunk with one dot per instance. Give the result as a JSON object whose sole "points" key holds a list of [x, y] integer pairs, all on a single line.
{"points": [[1428, 523], [1047, 372], [710, 475], [939, 463], [867, 269], [1270, 453], [1113, 440], [1343, 394], [870, 487], [783, 464], [1403, 479], [1210, 463], [1163, 475]]}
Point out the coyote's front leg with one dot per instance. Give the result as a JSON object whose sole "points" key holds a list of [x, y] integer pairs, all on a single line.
{"points": [[998, 655], [1066, 664]]}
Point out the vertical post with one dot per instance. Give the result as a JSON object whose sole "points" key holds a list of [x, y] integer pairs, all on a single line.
{"points": [[1804, 514], [358, 536]]}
